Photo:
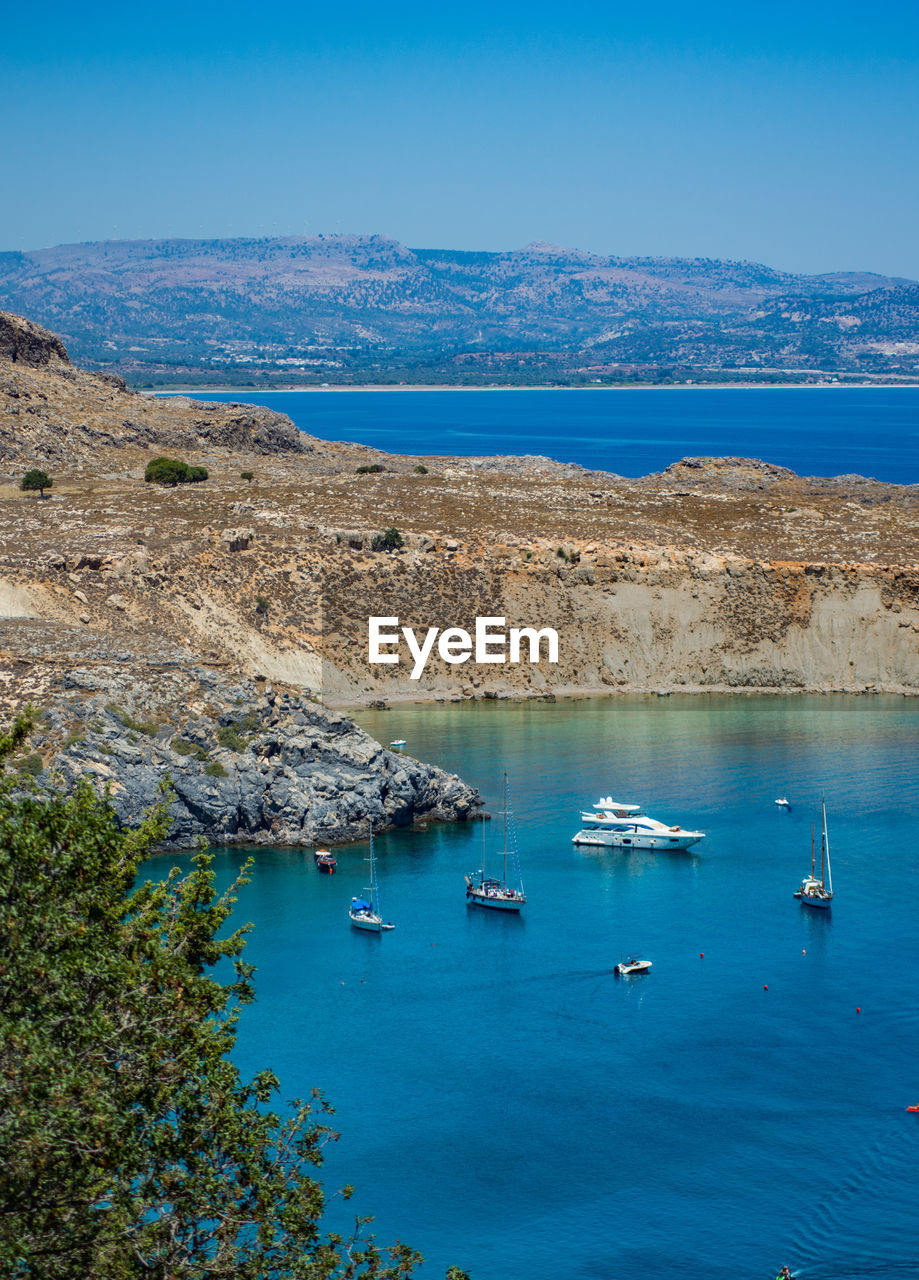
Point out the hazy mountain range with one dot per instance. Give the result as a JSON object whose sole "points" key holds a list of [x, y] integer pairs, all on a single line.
{"points": [[351, 309]]}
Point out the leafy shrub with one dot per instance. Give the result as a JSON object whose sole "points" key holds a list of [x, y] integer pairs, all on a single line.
{"points": [[247, 475], [215, 770], [421, 469], [73, 738], [183, 748], [388, 540], [261, 605], [36, 479], [233, 741], [32, 765], [373, 470], [172, 471], [147, 727]]}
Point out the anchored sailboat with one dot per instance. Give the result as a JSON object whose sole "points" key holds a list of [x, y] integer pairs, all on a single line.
{"points": [[814, 892], [487, 891], [365, 912]]}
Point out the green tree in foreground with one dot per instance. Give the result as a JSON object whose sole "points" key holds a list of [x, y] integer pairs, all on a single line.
{"points": [[36, 479], [129, 1145], [173, 471]]}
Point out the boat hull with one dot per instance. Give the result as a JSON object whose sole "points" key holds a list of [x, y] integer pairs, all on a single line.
{"points": [[606, 839], [813, 900], [370, 924], [475, 899]]}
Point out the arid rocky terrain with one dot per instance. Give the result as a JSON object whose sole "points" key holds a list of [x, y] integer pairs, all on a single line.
{"points": [[716, 574]]}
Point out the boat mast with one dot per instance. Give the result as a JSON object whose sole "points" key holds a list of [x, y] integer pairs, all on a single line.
{"points": [[813, 848], [505, 830], [826, 848], [373, 875], [823, 851]]}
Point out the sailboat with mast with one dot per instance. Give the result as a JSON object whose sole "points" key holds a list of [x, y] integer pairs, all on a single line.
{"points": [[488, 891], [814, 892], [365, 912]]}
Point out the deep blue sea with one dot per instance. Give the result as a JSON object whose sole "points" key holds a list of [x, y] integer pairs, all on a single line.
{"points": [[507, 1104], [869, 431]]}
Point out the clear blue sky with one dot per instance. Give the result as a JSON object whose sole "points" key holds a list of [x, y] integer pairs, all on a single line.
{"points": [[783, 133]]}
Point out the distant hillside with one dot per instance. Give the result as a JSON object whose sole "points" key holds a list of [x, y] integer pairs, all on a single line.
{"points": [[353, 309]]}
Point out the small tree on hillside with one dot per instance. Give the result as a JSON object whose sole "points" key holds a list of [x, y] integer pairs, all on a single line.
{"points": [[388, 540], [36, 479], [172, 471]]}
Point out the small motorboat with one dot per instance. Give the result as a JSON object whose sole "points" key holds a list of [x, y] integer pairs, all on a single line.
{"points": [[916, 1108], [632, 964], [782, 803], [398, 742], [326, 861]]}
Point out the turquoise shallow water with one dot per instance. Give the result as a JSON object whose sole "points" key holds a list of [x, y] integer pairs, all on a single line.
{"points": [[507, 1104]]}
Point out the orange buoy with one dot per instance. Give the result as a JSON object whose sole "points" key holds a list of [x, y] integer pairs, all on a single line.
{"points": [[803, 952]]}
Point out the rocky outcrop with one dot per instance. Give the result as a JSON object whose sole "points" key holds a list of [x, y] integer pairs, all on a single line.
{"points": [[52, 413], [23, 342], [256, 767]]}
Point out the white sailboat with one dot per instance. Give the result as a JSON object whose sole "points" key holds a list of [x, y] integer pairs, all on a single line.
{"points": [[488, 891], [814, 892], [365, 912]]}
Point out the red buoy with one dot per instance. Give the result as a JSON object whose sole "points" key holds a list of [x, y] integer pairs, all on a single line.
{"points": [[701, 955], [765, 986]]}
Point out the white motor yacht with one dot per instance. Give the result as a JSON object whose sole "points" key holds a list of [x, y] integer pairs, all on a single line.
{"points": [[616, 825]]}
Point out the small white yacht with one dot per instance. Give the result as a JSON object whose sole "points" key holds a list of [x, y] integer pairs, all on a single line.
{"points": [[616, 825], [632, 964]]}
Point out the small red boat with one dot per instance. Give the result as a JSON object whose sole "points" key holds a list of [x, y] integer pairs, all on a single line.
{"points": [[326, 861], [915, 1108]]}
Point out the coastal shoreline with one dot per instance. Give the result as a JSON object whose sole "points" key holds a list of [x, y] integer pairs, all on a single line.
{"points": [[164, 393]]}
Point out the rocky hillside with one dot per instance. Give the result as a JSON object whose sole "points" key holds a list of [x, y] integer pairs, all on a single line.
{"points": [[718, 573], [368, 309], [52, 414], [244, 762]]}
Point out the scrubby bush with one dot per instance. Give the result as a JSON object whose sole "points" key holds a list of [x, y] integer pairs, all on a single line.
{"points": [[388, 540], [247, 475], [147, 727], [32, 765], [215, 770], [172, 471], [233, 741], [36, 479], [421, 469], [373, 470], [183, 748]]}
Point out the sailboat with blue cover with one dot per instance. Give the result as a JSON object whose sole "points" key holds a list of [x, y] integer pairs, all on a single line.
{"points": [[365, 912], [488, 891]]}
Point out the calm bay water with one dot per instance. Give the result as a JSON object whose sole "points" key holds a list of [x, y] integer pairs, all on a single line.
{"points": [[507, 1104], [870, 431]]}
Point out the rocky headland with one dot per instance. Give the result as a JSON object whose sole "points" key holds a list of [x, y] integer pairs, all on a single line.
{"points": [[717, 574]]}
